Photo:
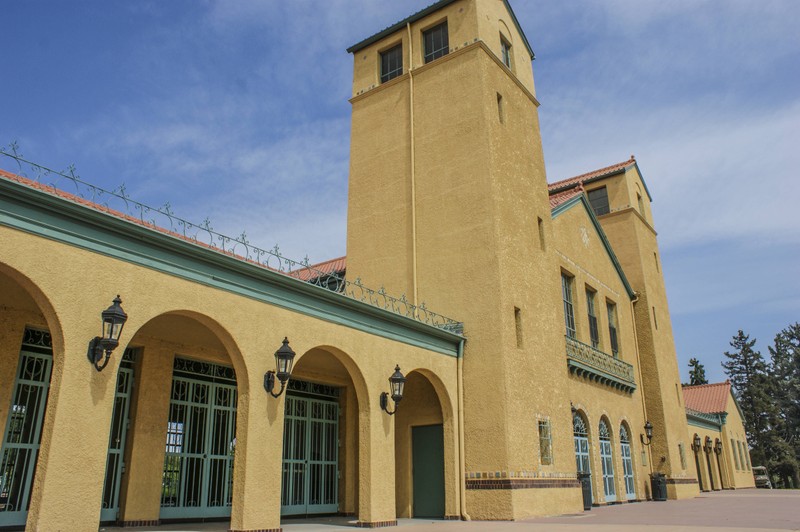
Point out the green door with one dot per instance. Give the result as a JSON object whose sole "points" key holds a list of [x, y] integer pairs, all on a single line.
{"points": [[427, 451]]}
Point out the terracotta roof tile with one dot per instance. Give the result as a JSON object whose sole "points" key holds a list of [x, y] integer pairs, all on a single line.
{"points": [[558, 198], [333, 266], [707, 398], [580, 179]]}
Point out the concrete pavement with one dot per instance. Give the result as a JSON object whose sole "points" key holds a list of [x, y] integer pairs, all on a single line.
{"points": [[742, 511]]}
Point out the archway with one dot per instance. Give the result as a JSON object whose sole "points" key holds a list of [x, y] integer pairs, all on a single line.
{"points": [[627, 461], [580, 436], [179, 451], [29, 333], [322, 440], [424, 441]]}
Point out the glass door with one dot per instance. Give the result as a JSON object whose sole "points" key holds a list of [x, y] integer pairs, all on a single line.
{"points": [[607, 462], [627, 463]]}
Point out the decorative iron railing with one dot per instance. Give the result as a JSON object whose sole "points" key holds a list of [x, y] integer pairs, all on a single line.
{"points": [[586, 361], [164, 220]]}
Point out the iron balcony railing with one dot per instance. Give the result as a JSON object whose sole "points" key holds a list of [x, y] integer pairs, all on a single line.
{"points": [[586, 361]]}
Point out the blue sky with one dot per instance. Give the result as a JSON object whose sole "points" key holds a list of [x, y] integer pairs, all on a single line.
{"points": [[237, 111]]}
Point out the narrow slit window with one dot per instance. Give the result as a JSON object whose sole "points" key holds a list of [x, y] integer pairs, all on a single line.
{"points": [[655, 319], [541, 234], [500, 108], [545, 443], [611, 309], [569, 311], [655, 258], [518, 326], [505, 48], [594, 331]]}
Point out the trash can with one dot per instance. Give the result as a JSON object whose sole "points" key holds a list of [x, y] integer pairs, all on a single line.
{"points": [[586, 487], [658, 486]]}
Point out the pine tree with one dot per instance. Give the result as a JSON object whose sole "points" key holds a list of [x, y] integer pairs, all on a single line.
{"points": [[697, 373], [747, 372], [785, 381]]}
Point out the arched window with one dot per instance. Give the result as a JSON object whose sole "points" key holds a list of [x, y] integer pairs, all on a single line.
{"points": [[581, 437], [627, 462], [607, 461]]}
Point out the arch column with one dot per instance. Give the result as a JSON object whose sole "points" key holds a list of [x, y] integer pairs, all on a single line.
{"points": [[72, 456], [376, 474]]}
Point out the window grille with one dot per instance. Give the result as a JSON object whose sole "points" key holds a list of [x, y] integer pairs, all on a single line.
{"points": [[436, 42], [545, 443], [392, 63]]}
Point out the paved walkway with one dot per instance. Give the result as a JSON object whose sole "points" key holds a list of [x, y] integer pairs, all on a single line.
{"points": [[742, 511]]}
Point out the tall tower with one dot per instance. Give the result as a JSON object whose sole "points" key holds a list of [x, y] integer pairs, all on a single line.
{"points": [[630, 229], [448, 204]]}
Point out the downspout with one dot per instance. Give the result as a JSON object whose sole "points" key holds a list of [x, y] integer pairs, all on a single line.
{"points": [[634, 300], [462, 463], [415, 294]]}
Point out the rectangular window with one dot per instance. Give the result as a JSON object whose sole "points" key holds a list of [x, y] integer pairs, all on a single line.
{"points": [[500, 108], [391, 63], [655, 319], [612, 328], [594, 332], [505, 48], [518, 325], [746, 455], [545, 443], [436, 42], [735, 455], [541, 234], [569, 316], [598, 199]]}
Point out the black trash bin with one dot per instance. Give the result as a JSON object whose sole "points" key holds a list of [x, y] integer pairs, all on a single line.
{"points": [[658, 485], [586, 487]]}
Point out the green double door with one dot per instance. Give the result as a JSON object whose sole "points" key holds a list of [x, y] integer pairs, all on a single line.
{"points": [[310, 476], [427, 451]]}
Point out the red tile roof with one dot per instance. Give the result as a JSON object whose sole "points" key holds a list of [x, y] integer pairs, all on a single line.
{"points": [[708, 398], [337, 266], [558, 198], [583, 178]]}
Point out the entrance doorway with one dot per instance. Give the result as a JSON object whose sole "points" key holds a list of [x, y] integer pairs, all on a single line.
{"points": [[310, 478], [23, 428], [427, 451], [197, 479]]}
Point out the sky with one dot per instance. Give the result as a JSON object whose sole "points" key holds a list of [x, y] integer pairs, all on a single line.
{"points": [[237, 111]]}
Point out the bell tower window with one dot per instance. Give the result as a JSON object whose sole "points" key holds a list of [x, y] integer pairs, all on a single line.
{"points": [[391, 63], [436, 41]]}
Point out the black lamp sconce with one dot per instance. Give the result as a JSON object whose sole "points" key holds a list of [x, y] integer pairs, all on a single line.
{"points": [[114, 319], [718, 447], [648, 433], [572, 408], [708, 447], [284, 357], [396, 383], [696, 443]]}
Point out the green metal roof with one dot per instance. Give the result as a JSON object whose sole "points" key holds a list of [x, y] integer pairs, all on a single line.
{"points": [[425, 12]]}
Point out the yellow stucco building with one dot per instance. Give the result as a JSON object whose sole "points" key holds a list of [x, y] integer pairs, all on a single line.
{"points": [[718, 441], [530, 321]]}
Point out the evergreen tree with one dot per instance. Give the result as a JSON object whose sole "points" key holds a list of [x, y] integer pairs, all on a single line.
{"points": [[747, 372], [785, 383], [697, 373]]}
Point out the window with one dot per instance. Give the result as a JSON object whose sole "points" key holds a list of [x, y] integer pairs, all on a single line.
{"points": [[580, 437], [607, 462], [612, 328], [569, 316], [598, 199], [541, 234], [594, 333], [627, 463], [391, 63], [641, 205], [436, 42], [545, 443], [500, 108], [518, 325], [736, 458], [655, 319], [505, 49], [747, 455]]}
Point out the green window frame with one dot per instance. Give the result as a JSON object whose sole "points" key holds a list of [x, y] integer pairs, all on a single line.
{"points": [[594, 330], [569, 310], [392, 63], [436, 42]]}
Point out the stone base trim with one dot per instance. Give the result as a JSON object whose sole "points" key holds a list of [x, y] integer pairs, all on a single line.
{"points": [[521, 483], [141, 522], [256, 530], [681, 481], [375, 524], [452, 518]]}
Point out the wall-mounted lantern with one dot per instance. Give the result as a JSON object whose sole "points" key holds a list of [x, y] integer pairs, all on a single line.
{"points": [[696, 443], [708, 445], [284, 358], [648, 433], [718, 447], [396, 383], [114, 319]]}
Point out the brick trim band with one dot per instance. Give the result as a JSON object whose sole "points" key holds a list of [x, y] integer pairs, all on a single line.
{"points": [[139, 523], [681, 481], [375, 524], [521, 483], [256, 530]]}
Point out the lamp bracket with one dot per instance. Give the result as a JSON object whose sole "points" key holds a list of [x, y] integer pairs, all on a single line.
{"points": [[95, 354], [385, 404], [648, 442], [269, 384]]}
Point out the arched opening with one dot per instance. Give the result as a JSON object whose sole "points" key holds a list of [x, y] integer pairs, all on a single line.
{"points": [[627, 461], [423, 448], [321, 439], [28, 331], [607, 461], [580, 435], [172, 438]]}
